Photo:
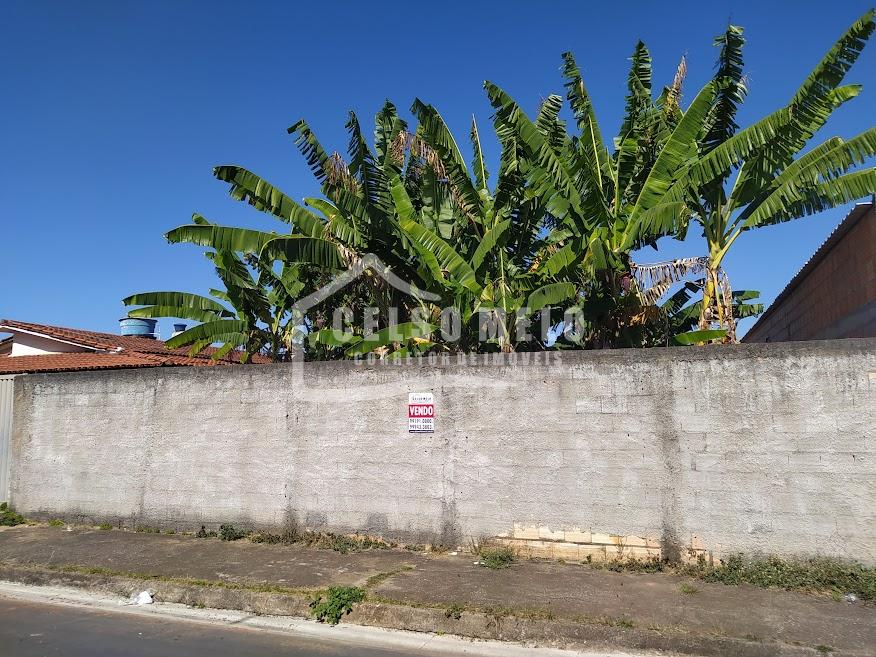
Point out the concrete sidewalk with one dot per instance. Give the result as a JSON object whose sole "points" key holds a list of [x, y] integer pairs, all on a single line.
{"points": [[545, 603]]}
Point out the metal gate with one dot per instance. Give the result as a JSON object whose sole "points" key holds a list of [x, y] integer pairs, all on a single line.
{"points": [[5, 434]]}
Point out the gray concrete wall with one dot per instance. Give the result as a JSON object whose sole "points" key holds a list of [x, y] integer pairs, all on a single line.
{"points": [[768, 448]]}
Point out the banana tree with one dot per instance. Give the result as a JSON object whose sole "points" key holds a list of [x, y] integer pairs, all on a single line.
{"points": [[470, 245], [258, 320], [591, 193], [773, 183], [413, 203], [676, 321], [327, 236], [487, 260], [356, 216]]}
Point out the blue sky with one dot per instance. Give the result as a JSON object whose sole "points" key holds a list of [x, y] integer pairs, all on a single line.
{"points": [[114, 113]]}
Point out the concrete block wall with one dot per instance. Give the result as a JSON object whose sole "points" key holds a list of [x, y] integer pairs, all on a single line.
{"points": [[756, 448]]}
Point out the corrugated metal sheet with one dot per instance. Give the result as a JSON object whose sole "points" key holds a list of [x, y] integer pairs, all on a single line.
{"points": [[5, 433]]}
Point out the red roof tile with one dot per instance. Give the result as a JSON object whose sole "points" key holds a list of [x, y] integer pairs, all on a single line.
{"points": [[111, 351], [83, 360]]}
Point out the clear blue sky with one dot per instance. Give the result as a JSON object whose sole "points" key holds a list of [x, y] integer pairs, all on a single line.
{"points": [[114, 113]]}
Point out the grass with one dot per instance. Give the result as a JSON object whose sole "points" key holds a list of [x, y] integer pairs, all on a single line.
{"points": [[624, 622], [324, 541], [376, 580], [495, 557], [330, 605], [9, 518], [688, 588], [327, 605], [823, 649], [229, 533], [815, 575], [105, 526], [185, 581], [337, 601]]}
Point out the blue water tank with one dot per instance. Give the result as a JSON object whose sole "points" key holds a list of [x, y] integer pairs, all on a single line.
{"points": [[140, 327]]}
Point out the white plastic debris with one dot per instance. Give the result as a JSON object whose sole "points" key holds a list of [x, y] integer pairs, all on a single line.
{"points": [[141, 598], [850, 597]]}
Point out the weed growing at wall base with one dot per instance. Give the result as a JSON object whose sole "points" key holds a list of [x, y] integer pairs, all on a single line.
{"points": [[229, 533], [818, 575], [495, 558], [337, 602], [688, 589], [9, 518], [325, 541]]}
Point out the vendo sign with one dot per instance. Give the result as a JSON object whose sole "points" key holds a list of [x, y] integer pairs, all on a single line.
{"points": [[421, 412]]}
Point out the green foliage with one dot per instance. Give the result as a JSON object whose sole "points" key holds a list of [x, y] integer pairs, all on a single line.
{"points": [[9, 518], [203, 533], [56, 523], [105, 526], [323, 541], [415, 547], [376, 580], [262, 298], [816, 574], [337, 602], [343, 544], [495, 558], [649, 565], [775, 181], [694, 337], [230, 533], [555, 224], [454, 611], [688, 589]]}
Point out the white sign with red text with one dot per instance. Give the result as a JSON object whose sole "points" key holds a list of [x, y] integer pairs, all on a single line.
{"points": [[421, 412]]}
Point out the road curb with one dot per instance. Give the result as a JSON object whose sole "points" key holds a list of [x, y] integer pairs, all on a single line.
{"points": [[555, 633]]}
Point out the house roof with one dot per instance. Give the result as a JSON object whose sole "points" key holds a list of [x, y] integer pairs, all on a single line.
{"points": [[74, 361], [105, 351], [850, 221]]}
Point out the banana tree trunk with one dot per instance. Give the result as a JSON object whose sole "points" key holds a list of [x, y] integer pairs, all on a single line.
{"points": [[717, 307]]}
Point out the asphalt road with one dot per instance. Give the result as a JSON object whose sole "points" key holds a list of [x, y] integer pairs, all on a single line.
{"points": [[40, 629]]}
